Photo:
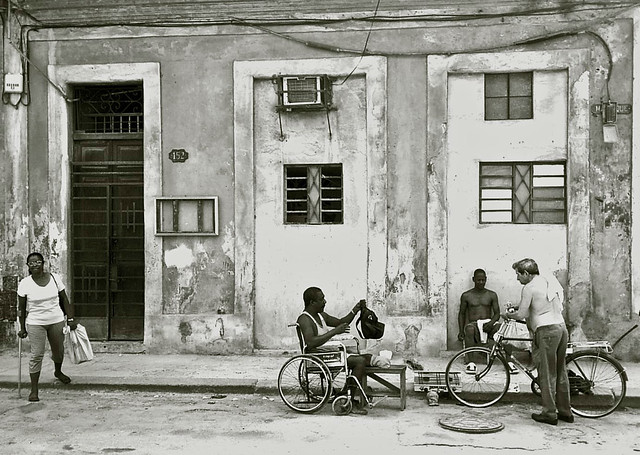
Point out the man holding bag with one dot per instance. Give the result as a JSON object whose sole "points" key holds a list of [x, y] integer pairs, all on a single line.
{"points": [[41, 299], [319, 327]]}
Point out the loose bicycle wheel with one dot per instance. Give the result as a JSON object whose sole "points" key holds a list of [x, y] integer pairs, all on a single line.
{"points": [[483, 388], [597, 382], [304, 383]]}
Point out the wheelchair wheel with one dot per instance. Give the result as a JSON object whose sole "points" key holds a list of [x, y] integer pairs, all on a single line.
{"points": [[342, 405], [304, 383]]}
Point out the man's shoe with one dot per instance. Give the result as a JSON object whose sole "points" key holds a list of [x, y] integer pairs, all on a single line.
{"points": [[512, 368], [564, 418], [544, 419], [471, 368]]}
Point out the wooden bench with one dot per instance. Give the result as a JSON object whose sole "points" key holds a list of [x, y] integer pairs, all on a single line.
{"points": [[391, 390]]}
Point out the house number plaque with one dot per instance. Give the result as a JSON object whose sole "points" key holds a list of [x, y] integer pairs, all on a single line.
{"points": [[178, 155]]}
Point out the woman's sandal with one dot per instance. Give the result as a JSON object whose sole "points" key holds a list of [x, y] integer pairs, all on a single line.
{"points": [[62, 377]]}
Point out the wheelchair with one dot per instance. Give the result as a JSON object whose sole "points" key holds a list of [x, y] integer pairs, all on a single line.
{"points": [[308, 381]]}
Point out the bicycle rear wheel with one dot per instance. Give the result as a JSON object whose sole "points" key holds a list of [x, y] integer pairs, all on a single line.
{"points": [[304, 384], [483, 388], [598, 383]]}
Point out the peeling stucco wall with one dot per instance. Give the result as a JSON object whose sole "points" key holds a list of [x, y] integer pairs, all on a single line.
{"points": [[14, 188], [195, 281], [610, 312]]}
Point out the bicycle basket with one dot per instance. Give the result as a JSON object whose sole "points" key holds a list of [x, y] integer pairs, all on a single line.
{"points": [[518, 331]]}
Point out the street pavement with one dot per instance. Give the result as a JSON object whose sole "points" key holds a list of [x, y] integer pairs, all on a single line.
{"points": [[255, 373]]}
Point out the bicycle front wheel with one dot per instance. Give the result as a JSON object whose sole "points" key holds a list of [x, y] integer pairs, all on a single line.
{"points": [[597, 382], [304, 383], [482, 388]]}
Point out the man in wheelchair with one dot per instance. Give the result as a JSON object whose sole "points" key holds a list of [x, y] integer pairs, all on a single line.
{"points": [[318, 327]]}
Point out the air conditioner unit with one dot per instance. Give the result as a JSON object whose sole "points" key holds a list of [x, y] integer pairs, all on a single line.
{"points": [[304, 92]]}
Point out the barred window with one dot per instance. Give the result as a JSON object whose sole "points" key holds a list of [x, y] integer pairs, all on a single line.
{"points": [[109, 109], [313, 194], [523, 192], [508, 96]]}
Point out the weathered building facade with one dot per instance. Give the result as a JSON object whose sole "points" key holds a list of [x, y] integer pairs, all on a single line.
{"points": [[191, 168]]}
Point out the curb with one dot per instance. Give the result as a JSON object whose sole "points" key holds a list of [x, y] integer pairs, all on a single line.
{"points": [[238, 386]]}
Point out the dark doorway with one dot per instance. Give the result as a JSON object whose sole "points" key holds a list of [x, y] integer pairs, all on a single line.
{"points": [[107, 212]]}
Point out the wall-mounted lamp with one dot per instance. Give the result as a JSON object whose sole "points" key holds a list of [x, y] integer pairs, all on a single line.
{"points": [[610, 111]]}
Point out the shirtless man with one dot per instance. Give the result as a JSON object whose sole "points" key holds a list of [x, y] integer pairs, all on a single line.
{"points": [[541, 304], [477, 304], [318, 327]]}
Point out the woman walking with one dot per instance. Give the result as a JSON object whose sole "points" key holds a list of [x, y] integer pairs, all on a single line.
{"points": [[40, 296]]}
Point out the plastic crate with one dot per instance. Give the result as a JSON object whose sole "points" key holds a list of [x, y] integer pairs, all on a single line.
{"points": [[423, 381]]}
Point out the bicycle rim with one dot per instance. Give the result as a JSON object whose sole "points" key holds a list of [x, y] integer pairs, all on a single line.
{"points": [[484, 388], [304, 384], [597, 384]]}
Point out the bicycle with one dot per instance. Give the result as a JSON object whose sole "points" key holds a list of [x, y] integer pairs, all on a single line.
{"points": [[598, 382]]}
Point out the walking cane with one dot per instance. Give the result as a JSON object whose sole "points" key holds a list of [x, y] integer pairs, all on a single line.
{"points": [[19, 365]]}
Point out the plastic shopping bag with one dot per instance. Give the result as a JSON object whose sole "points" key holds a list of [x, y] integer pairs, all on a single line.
{"points": [[513, 329], [77, 346]]}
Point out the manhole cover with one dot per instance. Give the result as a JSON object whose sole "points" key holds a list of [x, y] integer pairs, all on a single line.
{"points": [[471, 424]]}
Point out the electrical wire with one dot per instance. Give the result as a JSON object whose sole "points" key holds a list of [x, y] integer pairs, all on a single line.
{"points": [[364, 48], [189, 18], [376, 17], [56, 86]]}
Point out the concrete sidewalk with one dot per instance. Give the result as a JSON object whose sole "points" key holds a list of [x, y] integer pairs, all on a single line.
{"points": [[257, 373]]}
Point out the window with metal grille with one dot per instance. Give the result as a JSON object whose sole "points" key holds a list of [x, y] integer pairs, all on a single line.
{"points": [[523, 192], [508, 96], [313, 194], [109, 109]]}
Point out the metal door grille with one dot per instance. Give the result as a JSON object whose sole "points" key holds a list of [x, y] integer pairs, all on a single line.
{"points": [[108, 237], [109, 109]]}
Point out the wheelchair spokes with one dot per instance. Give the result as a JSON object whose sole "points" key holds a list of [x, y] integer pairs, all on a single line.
{"points": [[304, 384]]}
